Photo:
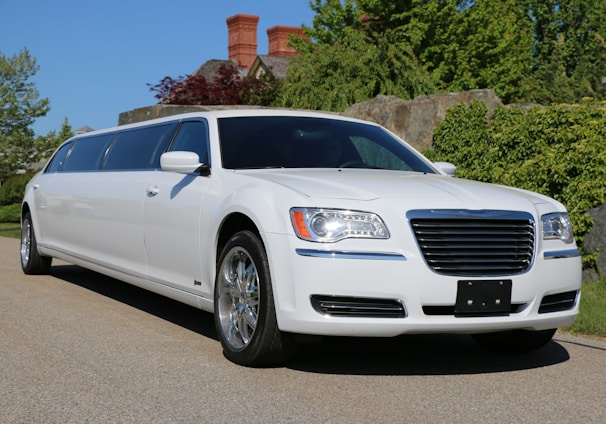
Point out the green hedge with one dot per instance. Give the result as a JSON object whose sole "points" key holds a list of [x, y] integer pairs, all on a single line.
{"points": [[13, 189], [559, 151], [10, 213]]}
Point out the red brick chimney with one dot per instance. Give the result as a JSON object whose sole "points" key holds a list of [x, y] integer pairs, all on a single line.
{"points": [[242, 42], [277, 37]]}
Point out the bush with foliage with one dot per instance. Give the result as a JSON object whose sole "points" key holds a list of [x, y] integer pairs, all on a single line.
{"points": [[13, 189], [557, 151], [10, 213], [227, 87]]}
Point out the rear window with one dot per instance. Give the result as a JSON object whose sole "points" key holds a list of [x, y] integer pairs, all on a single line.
{"points": [[139, 148], [87, 153]]}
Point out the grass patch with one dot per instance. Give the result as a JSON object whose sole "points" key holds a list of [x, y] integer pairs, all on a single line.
{"points": [[10, 229], [592, 316]]}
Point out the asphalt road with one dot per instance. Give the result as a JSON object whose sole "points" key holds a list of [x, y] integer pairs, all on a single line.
{"points": [[77, 347]]}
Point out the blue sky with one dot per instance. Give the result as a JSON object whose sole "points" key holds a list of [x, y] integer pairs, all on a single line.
{"points": [[97, 57]]}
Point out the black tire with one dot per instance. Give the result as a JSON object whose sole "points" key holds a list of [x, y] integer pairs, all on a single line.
{"points": [[245, 315], [515, 341], [31, 261]]}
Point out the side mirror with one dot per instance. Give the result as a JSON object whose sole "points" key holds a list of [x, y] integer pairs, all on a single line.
{"points": [[446, 167], [180, 162]]}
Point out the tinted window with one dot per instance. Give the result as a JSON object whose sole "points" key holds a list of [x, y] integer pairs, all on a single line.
{"points": [[192, 137], [375, 155], [87, 153], [56, 162], [139, 148], [305, 142]]}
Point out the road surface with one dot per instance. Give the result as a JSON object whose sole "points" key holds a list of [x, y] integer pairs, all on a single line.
{"points": [[77, 347]]}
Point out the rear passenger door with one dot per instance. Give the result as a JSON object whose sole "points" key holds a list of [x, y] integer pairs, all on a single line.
{"points": [[172, 217], [95, 200]]}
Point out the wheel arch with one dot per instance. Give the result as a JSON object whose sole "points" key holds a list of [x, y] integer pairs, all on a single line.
{"points": [[24, 209], [233, 223]]}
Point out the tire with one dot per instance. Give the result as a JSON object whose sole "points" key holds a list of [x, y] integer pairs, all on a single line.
{"points": [[245, 315], [515, 341], [31, 261]]}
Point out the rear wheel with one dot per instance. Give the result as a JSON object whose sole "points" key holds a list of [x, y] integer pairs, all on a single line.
{"points": [[245, 315], [31, 261], [515, 341]]}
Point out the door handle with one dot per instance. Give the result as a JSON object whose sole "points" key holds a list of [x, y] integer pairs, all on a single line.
{"points": [[153, 190]]}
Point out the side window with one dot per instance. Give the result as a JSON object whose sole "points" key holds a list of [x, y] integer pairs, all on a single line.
{"points": [[87, 153], [56, 162], [192, 137], [139, 148]]}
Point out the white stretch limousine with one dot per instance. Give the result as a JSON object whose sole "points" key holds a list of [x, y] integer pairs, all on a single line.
{"points": [[289, 222]]}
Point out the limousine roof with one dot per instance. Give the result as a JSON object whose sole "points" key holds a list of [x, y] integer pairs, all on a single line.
{"points": [[226, 113]]}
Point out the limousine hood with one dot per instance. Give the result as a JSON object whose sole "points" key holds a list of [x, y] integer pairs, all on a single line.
{"points": [[365, 185]]}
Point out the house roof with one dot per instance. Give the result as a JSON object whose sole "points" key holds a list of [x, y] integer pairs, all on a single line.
{"points": [[84, 129], [209, 68], [277, 65]]}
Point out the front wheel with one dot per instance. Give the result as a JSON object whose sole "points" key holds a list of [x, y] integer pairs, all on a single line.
{"points": [[245, 315], [31, 261], [515, 341]]}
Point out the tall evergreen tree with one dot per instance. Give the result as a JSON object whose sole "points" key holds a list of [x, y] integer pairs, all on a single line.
{"points": [[570, 50]]}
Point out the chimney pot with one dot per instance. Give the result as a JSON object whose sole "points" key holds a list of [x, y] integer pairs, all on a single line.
{"points": [[277, 37], [242, 39]]}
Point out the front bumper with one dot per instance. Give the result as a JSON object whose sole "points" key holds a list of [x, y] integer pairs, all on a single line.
{"points": [[300, 273]]}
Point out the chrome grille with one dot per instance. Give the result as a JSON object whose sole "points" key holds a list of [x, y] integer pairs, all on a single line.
{"points": [[474, 243]]}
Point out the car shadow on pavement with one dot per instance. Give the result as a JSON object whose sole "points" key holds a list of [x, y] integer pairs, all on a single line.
{"points": [[404, 355], [431, 354], [170, 310]]}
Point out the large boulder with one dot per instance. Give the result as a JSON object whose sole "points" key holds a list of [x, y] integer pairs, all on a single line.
{"points": [[415, 120], [595, 241]]}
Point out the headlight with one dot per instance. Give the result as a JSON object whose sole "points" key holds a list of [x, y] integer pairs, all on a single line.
{"points": [[330, 225], [557, 226]]}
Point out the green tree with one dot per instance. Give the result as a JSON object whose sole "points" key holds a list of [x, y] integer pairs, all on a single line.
{"points": [[20, 106], [484, 45], [348, 56], [540, 51], [46, 145], [569, 59], [356, 50]]}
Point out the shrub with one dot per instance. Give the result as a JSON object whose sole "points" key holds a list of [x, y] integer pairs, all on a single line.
{"points": [[13, 189], [10, 213], [557, 151]]}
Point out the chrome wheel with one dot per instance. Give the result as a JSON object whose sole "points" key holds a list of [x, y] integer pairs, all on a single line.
{"points": [[31, 261], [26, 242], [238, 298]]}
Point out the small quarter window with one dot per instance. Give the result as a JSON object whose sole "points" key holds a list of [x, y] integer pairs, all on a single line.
{"points": [[192, 137], [56, 162]]}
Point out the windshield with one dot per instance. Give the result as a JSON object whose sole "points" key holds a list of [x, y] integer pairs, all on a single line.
{"points": [[304, 142]]}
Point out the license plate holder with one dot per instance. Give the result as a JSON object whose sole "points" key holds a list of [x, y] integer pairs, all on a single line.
{"points": [[483, 298]]}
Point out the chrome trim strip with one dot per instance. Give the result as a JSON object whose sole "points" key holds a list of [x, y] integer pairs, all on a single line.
{"points": [[572, 253], [339, 254]]}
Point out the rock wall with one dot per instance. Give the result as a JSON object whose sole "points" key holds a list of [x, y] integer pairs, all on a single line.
{"points": [[595, 241], [162, 111], [415, 120]]}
